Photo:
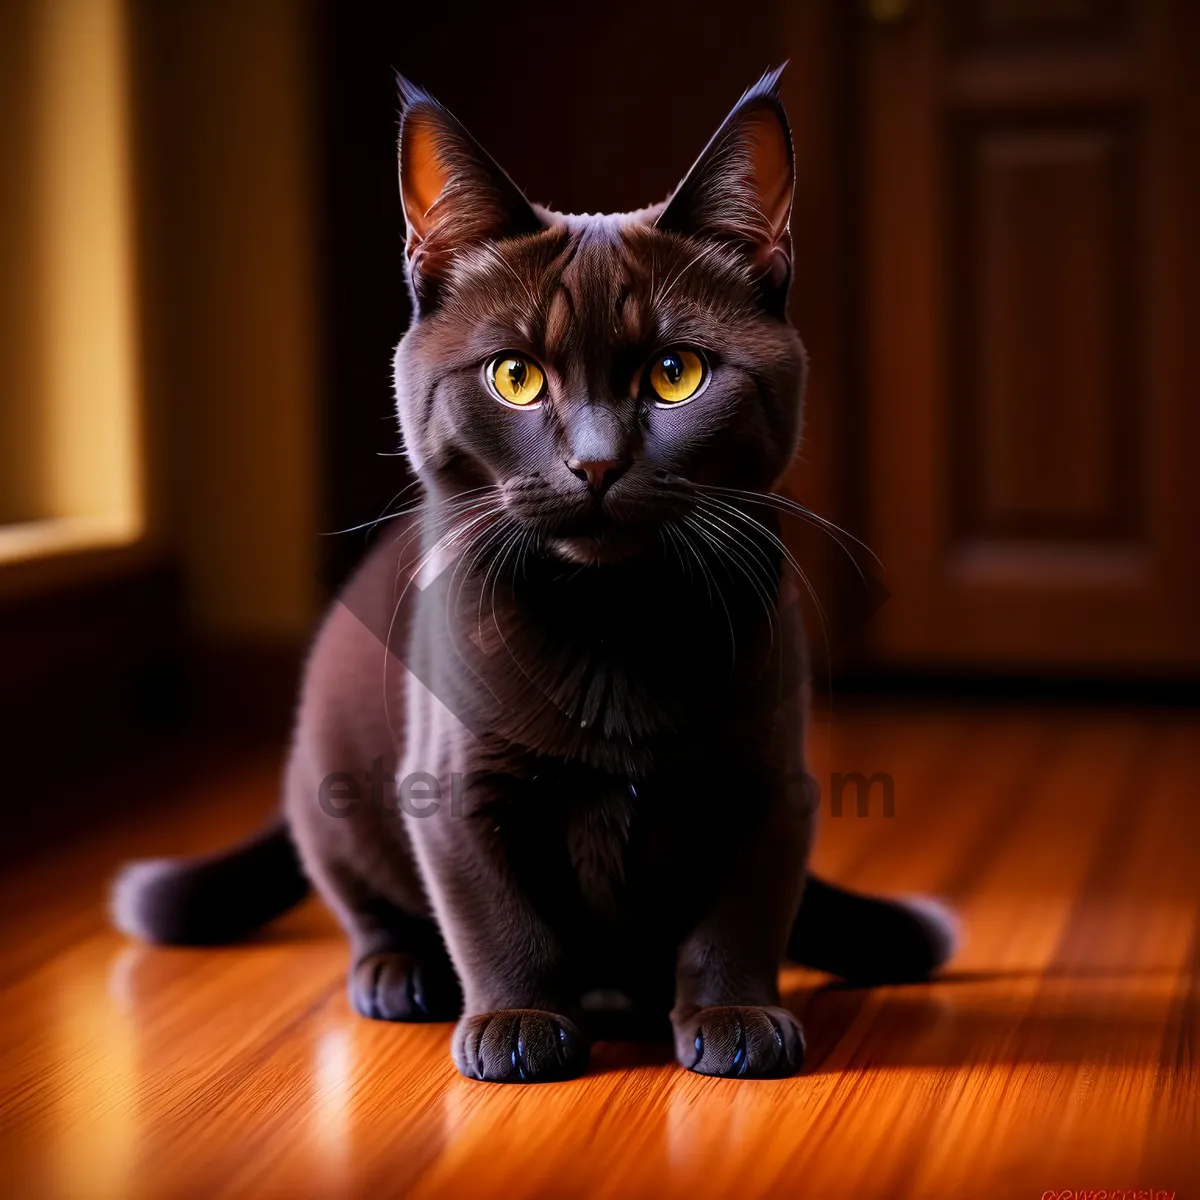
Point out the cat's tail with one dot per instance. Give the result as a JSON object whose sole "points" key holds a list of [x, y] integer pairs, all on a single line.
{"points": [[870, 940], [212, 899]]}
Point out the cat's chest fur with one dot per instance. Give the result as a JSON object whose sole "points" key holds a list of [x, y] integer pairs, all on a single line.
{"points": [[625, 854], [597, 832], [607, 682]]}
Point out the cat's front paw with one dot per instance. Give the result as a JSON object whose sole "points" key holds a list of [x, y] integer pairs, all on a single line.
{"points": [[519, 1045], [741, 1042], [394, 986]]}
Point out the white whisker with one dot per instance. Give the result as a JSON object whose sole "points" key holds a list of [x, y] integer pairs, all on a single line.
{"points": [[715, 587], [784, 503]]}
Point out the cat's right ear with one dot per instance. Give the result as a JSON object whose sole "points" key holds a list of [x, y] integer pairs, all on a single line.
{"points": [[455, 194]]}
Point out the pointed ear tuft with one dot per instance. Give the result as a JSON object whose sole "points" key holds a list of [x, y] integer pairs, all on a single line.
{"points": [[455, 195], [739, 190]]}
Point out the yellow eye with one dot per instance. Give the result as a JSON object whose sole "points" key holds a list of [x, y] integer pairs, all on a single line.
{"points": [[516, 379], [676, 376]]}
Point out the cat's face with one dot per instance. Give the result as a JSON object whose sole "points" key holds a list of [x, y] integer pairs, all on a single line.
{"points": [[598, 369]]}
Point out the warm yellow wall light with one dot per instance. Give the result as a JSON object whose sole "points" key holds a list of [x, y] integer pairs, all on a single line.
{"points": [[81, 469]]}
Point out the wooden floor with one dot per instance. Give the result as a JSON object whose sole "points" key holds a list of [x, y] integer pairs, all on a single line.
{"points": [[1059, 1052]]}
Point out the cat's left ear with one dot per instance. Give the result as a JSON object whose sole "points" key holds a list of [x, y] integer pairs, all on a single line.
{"points": [[739, 191], [455, 194]]}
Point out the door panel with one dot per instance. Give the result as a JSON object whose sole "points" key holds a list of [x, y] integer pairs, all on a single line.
{"points": [[1030, 259], [1046, 412]]}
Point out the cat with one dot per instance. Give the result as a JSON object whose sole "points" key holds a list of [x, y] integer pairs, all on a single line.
{"points": [[572, 668]]}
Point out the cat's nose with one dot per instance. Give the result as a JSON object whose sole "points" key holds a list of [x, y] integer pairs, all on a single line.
{"points": [[598, 473]]}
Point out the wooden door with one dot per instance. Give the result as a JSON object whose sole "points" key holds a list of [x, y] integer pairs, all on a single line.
{"points": [[1031, 203]]}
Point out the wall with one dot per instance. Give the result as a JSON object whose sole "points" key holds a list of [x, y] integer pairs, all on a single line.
{"points": [[227, 238]]}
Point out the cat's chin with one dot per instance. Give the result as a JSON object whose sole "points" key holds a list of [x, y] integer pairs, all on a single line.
{"points": [[609, 547]]}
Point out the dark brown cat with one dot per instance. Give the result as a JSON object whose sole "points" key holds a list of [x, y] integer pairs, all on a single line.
{"points": [[548, 763]]}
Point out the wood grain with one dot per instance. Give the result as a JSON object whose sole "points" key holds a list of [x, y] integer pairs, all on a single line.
{"points": [[1058, 1052]]}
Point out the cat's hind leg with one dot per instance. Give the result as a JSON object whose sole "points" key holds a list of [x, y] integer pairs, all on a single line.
{"points": [[399, 968], [359, 859], [394, 980]]}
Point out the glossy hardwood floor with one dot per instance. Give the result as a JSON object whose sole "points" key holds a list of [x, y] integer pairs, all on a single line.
{"points": [[1058, 1053]]}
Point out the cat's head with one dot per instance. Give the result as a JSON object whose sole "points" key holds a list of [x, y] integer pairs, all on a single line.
{"points": [[597, 369]]}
